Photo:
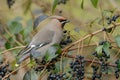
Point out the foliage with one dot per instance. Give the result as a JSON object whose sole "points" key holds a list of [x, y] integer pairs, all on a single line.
{"points": [[53, 52], [94, 3], [56, 2], [30, 75], [117, 39], [73, 58]]}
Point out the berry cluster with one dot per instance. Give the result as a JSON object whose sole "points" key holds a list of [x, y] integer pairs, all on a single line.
{"points": [[57, 77], [51, 66], [117, 71], [104, 64], [67, 39], [104, 67], [10, 3], [77, 68], [95, 73], [62, 1], [4, 70], [114, 18], [103, 58]]}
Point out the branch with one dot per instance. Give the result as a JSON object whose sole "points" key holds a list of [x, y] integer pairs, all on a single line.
{"points": [[12, 49], [90, 61], [89, 35], [14, 71]]}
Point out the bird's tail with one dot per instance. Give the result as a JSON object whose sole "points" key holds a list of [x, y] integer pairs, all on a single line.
{"points": [[24, 54], [23, 58], [23, 51]]}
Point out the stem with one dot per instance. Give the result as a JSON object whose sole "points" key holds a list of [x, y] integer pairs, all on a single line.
{"points": [[14, 71], [11, 35], [87, 36], [12, 49], [91, 61]]}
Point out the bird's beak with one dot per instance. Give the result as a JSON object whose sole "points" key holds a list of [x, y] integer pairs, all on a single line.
{"points": [[65, 21]]}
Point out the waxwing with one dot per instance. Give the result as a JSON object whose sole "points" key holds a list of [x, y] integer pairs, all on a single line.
{"points": [[49, 34]]}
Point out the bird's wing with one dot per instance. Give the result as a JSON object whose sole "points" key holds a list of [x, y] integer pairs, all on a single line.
{"points": [[38, 42], [25, 53], [27, 49]]}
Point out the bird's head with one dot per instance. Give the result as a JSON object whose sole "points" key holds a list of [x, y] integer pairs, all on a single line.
{"points": [[59, 19]]}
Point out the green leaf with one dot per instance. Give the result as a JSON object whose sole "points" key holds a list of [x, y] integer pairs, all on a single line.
{"points": [[30, 75], [27, 76], [58, 48], [26, 31], [18, 18], [10, 43], [7, 45], [54, 5], [29, 27], [99, 49], [118, 63], [94, 3], [57, 67], [30, 23], [106, 48], [82, 6], [117, 40], [52, 52], [15, 27]]}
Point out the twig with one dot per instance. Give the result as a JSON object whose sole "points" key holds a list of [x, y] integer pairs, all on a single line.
{"points": [[90, 61], [11, 35], [87, 36], [66, 49], [14, 71], [12, 49], [69, 56], [82, 47]]}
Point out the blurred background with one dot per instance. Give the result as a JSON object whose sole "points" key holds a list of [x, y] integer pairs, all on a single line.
{"points": [[17, 19]]}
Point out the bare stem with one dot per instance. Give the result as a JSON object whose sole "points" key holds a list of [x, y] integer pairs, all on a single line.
{"points": [[90, 61], [87, 36], [12, 49]]}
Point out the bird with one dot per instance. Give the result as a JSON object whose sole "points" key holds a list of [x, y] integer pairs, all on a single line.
{"points": [[38, 20], [49, 34]]}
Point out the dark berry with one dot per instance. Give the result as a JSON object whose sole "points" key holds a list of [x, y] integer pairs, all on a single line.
{"points": [[102, 42], [10, 3], [65, 31], [117, 75], [68, 40], [68, 37]]}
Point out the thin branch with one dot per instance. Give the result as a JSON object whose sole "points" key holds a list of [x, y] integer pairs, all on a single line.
{"points": [[14, 71], [66, 49], [12, 49], [90, 61], [11, 35], [87, 36]]}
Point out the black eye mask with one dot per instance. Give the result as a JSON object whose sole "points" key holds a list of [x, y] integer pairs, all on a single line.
{"points": [[63, 22], [60, 20]]}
